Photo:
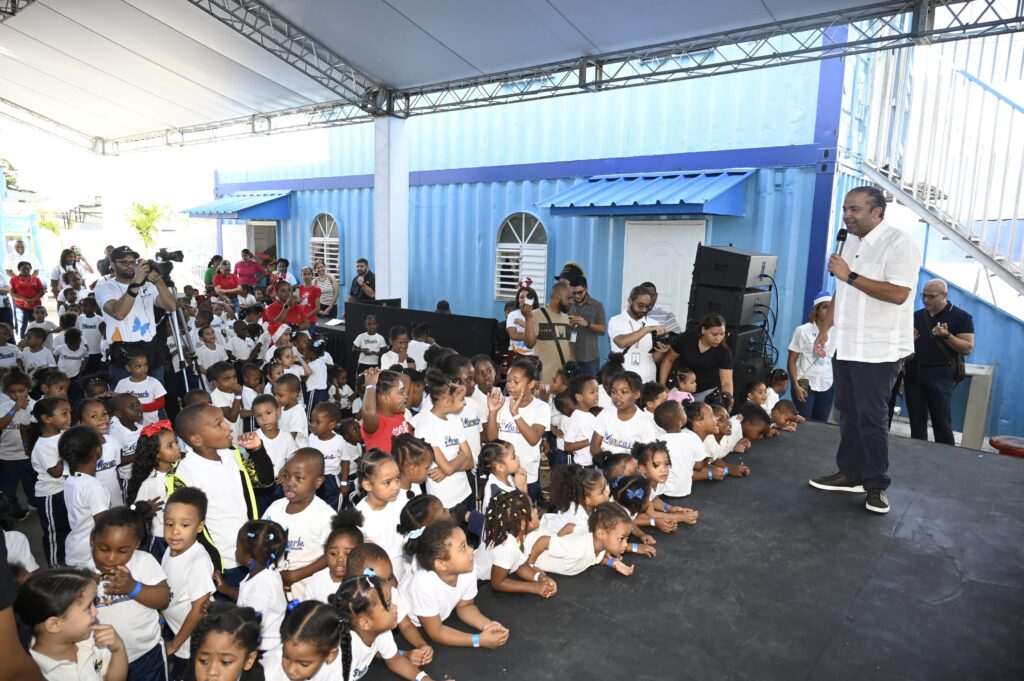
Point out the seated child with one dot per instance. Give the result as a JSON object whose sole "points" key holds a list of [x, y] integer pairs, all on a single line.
{"points": [[581, 424], [654, 464], [757, 393], [608, 530], [756, 424], [345, 535], [652, 394], [574, 492], [261, 545], [778, 384], [682, 385], [509, 518]]}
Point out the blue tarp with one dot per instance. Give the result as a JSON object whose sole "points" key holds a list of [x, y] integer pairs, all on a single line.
{"points": [[263, 205], [710, 192]]}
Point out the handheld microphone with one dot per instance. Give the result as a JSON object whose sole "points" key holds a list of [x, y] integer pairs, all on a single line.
{"points": [[840, 242]]}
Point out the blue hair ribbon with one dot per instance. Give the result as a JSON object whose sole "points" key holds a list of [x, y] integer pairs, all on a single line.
{"points": [[369, 572], [417, 533], [292, 604], [634, 494]]}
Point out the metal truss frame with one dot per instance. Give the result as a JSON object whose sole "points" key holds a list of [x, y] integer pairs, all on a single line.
{"points": [[879, 26], [8, 8]]}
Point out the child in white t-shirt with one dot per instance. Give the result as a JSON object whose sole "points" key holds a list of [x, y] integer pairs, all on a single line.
{"points": [[10, 354], [504, 471], [608, 531], [339, 390], [149, 391], [156, 453], [241, 347], [511, 517], [189, 572], [368, 345], [51, 417], [124, 427], [288, 392], [446, 435], [344, 537], [261, 546], [34, 355], [252, 387], [618, 429], [304, 516], [93, 412], [226, 394], [581, 424], [279, 443], [72, 355], [322, 436], [90, 323], [15, 416], [39, 321], [209, 350], [84, 495], [19, 555], [575, 493], [382, 505]]}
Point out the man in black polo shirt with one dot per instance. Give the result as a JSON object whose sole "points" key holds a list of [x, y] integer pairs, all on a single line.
{"points": [[363, 284], [941, 332]]}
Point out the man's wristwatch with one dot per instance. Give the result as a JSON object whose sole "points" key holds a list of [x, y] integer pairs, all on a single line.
{"points": [[852, 278]]}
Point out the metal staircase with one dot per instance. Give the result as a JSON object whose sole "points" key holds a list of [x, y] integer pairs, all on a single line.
{"points": [[950, 147]]}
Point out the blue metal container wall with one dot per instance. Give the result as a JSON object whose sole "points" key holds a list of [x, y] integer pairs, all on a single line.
{"points": [[352, 209], [766, 108]]}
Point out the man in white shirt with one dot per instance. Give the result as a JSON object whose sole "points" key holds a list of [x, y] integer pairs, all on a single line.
{"points": [[126, 301], [633, 334], [19, 255], [872, 321]]}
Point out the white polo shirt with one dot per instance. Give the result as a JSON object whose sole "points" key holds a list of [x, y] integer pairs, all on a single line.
{"points": [[639, 359], [222, 483], [93, 664], [870, 330]]}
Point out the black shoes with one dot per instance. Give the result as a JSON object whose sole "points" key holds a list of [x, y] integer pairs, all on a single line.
{"points": [[877, 501], [837, 482]]}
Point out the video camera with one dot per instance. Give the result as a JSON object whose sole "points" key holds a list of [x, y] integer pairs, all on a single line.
{"points": [[164, 263]]}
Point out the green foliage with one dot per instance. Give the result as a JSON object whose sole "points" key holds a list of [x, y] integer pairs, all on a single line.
{"points": [[145, 220], [49, 222], [10, 173]]}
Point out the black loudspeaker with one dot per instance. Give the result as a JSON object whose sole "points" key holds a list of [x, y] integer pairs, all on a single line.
{"points": [[746, 372], [738, 307], [729, 267], [746, 342]]}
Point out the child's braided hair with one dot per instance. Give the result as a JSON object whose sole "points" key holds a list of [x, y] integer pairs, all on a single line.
{"points": [[353, 598], [265, 541], [508, 515]]}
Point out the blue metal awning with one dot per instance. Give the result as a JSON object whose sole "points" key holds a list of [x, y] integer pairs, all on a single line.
{"points": [[705, 192], [266, 205]]}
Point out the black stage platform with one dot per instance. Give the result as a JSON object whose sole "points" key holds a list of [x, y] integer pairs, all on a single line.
{"points": [[783, 581]]}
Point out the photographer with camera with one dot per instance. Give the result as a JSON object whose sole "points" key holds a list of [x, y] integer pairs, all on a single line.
{"points": [[127, 301], [632, 334]]}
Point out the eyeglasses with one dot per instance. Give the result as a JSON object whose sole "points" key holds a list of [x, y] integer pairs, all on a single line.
{"points": [[642, 306], [126, 263], [929, 296]]}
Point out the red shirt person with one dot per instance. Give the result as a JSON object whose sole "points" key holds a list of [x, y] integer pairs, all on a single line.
{"points": [[286, 309], [225, 283], [248, 270], [309, 293], [28, 291]]}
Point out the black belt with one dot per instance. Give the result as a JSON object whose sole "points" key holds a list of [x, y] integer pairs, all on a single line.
{"points": [[933, 365]]}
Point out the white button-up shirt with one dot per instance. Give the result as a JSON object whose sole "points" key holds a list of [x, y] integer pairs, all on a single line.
{"points": [[867, 329]]}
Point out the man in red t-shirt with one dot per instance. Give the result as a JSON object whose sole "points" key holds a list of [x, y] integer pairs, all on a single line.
{"points": [[248, 270], [28, 293], [286, 309]]}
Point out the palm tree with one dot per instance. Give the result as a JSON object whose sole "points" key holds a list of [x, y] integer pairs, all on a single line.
{"points": [[145, 221]]}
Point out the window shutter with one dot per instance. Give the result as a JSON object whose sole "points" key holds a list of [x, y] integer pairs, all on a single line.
{"points": [[324, 243], [521, 252], [534, 264]]}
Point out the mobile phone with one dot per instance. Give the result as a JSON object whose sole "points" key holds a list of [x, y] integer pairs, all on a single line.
{"points": [[529, 300]]}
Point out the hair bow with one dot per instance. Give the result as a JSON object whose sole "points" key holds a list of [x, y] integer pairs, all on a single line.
{"points": [[417, 533], [292, 604], [319, 343], [634, 494], [616, 481], [526, 283], [369, 572], [154, 428]]}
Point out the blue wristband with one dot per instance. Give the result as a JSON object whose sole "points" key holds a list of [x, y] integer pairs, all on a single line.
{"points": [[401, 652], [136, 591], [610, 562], [726, 470], [476, 640], [635, 549], [711, 474], [664, 508]]}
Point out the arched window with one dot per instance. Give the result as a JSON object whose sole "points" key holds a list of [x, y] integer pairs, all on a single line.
{"points": [[324, 244], [522, 252]]}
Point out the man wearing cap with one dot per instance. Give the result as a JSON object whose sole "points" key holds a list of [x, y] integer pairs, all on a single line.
{"points": [[126, 301], [872, 321], [810, 375], [942, 333]]}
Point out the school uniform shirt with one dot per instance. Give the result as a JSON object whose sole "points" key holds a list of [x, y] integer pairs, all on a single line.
{"points": [[70, 361], [206, 356], [190, 577], [493, 487], [535, 413], [37, 360], [320, 585], [90, 328], [106, 468], [773, 399], [92, 663], [390, 359], [331, 449], [278, 448], [447, 435], [638, 358], [381, 528], [129, 440], [221, 399], [429, 596], [318, 379], [373, 344], [508, 555], [10, 355], [264, 593], [575, 515], [138, 626], [241, 348], [11, 446], [418, 351], [148, 390], [363, 655], [293, 420], [155, 487], [45, 456], [604, 400], [480, 400], [307, 531], [248, 395], [558, 421], [567, 555], [581, 426], [274, 671], [46, 326], [684, 450], [222, 482], [351, 453], [516, 320], [19, 551], [472, 426], [343, 395], [619, 435]]}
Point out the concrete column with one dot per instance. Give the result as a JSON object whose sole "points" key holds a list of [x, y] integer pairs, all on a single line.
{"points": [[390, 260]]}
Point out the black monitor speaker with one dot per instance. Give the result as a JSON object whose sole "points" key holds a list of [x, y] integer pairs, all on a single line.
{"points": [[728, 267], [746, 342], [738, 307]]}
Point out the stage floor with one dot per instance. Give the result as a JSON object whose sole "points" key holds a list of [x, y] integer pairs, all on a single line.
{"points": [[783, 581]]}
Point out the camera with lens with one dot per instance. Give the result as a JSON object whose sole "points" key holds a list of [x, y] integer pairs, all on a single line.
{"points": [[667, 338], [164, 263]]}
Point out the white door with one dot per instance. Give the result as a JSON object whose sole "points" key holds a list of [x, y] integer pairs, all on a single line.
{"points": [[662, 252]]}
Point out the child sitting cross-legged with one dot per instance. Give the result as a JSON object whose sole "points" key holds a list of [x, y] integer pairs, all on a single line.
{"points": [[509, 518], [604, 542]]}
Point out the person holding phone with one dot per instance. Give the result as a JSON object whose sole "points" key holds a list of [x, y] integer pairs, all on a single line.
{"points": [[515, 323]]}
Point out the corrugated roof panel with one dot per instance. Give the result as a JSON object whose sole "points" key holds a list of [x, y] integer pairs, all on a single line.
{"points": [[656, 190], [233, 204]]}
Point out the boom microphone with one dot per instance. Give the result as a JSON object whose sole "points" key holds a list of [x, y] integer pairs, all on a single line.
{"points": [[840, 242]]}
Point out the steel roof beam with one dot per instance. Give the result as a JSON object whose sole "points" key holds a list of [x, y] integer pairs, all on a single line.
{"points": [[8, 8], [286, 41]]}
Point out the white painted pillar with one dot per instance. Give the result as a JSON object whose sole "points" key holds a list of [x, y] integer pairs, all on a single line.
{"points": [[391, 209]]}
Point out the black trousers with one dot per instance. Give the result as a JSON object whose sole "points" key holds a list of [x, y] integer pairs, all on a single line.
{"points": [[862, 399], [929, 391]]}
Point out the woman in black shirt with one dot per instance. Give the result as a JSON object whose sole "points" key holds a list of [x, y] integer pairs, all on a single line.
{"points": [[706, 353]]}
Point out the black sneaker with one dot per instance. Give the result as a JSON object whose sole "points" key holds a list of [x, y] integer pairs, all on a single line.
{"points": [[836, 482], [20, 515], [877, 501]]}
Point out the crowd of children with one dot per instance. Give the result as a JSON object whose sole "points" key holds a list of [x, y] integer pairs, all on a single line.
{"points": [[282, 521]]}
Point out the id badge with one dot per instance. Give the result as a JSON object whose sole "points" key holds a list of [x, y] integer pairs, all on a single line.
{"points": [[634, 359], [572, 336]]}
